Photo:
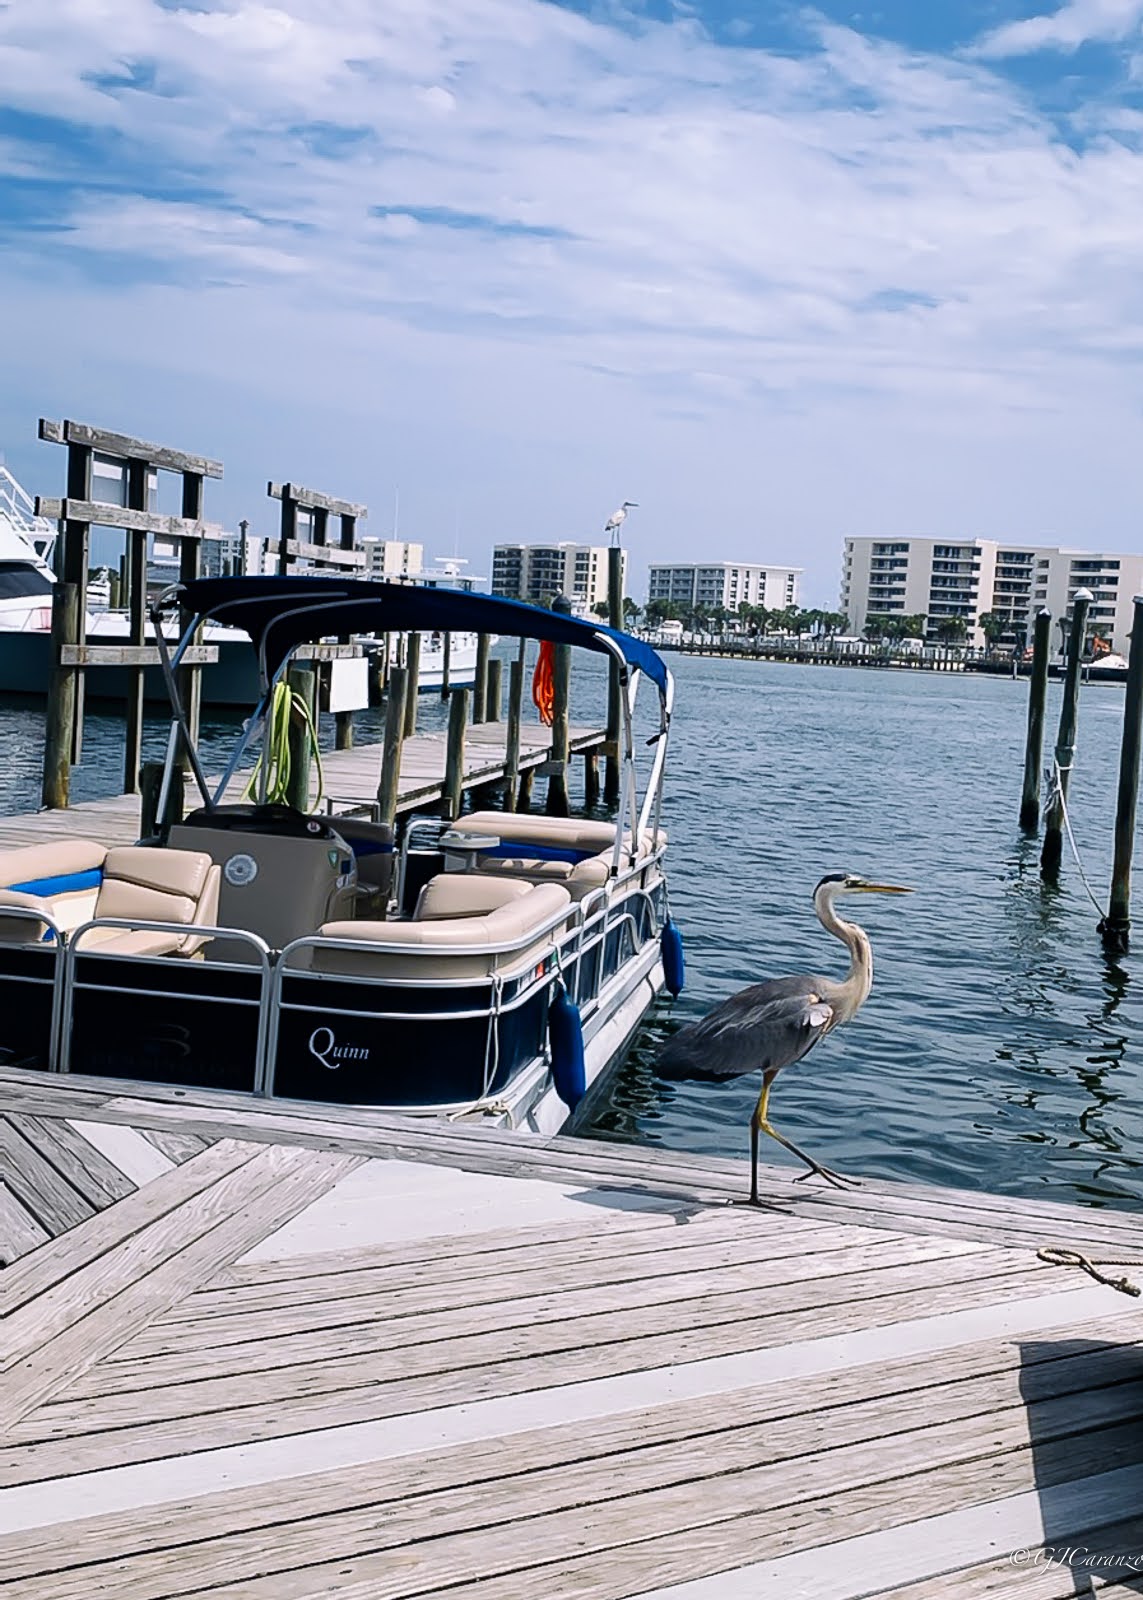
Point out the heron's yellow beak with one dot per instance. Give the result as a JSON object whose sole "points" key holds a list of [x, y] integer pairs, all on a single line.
{"points": [[880, 888]]}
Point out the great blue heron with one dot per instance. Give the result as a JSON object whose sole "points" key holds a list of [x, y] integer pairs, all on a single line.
{"points": [[772, 1025], [617, 518]]}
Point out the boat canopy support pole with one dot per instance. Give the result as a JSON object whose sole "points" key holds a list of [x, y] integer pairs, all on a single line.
{"points": [[180, 720]]}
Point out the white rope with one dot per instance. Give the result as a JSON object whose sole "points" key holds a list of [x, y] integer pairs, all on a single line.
{"points": [[482, 1103], [1057, 795]]}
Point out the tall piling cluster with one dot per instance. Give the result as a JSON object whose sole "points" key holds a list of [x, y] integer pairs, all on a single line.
{"points": [[1115, 925]]}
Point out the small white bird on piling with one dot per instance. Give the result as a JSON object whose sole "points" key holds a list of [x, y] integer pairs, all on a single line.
{"points": [[771, 1025], [617, 518]]}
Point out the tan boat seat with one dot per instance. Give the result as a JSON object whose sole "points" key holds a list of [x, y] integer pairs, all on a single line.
{"points": [[424, 944], [155, 885], [568, 833], [465, 894]]}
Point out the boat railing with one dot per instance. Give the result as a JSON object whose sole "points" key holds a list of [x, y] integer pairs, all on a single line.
{"points": [[72, 953], [56, 947], [572, 932]]}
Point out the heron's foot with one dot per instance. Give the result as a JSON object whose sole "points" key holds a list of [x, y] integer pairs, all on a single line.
{"points": [[837, 1180], [755, 1202]]}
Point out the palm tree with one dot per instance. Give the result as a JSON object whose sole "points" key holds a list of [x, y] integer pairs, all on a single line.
{"points": [[876, 629], [994, 626], [952, 630], [630, 611], [601, 609]]}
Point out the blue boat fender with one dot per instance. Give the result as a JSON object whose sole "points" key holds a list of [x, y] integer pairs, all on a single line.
{"points": [[674, 964], [565, 1036]]}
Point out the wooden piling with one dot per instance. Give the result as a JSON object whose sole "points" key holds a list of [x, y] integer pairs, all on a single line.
{"points": [[590, 778], [512, 750], [454, 759], [1053, 848], [557, 805], [137, 626], [60, 729], [412, 684], [1116, 925], [480, 682], [343, 730], [615, 619], [494, 696], [301, 681], [446, 665], [1034, 743], [389, 782], [524, 793], [151, 825]]}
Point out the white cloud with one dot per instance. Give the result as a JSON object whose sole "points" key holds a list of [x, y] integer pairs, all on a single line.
{"points": [[505, 219], [1073, 24]]}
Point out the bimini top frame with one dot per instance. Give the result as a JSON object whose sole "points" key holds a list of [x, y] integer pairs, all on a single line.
{"points": [[281, 613]]}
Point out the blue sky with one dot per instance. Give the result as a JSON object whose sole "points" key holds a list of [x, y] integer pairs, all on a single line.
{"points": [[780, 273]]}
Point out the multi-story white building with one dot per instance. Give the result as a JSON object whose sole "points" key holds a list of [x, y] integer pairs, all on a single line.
{"points": [[938, 578], [391, 558], [729, 584], [539, 572]]}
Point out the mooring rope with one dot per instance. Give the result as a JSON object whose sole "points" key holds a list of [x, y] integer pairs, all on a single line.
{"points": [[1058, 1256], [1057, 793]]}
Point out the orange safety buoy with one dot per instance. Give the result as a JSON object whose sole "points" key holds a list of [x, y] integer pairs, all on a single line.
{"points": [[543, 689]]}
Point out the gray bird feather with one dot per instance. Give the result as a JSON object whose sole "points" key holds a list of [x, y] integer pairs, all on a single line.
{"points": [[763, 1028]]}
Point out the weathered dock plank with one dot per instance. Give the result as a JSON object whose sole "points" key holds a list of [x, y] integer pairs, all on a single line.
{"points": [[450, 1360]]}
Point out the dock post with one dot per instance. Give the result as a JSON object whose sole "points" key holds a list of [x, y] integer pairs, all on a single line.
{"points": [[301, 681], [557, 805], [137, 605], [615, 620], [524, 793], [412, 683], [1117, 923], [150, 788], [1034, 744], [480, 681], [590, 778], [446, 664], [1053, 849], [454, 757], [343, 730], [389, 783], [493, 700], [59, 732], [512, 749]]}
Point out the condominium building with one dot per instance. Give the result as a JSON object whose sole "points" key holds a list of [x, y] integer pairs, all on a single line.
{"points": [[539, 572], [938, 579], [728, 584], [391, 558]]}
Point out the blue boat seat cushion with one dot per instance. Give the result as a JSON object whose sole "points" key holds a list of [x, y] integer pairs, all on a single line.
{"points": [[64, 875]]}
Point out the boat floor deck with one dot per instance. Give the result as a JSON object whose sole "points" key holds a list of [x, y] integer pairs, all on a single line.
{"points": [[259, 1349], [351, 778]]}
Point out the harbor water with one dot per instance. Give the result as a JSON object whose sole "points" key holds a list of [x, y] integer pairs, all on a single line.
{"points": [[1000, 1049]]}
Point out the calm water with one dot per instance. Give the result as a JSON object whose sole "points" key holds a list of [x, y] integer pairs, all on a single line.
{"points": [[999, 1050]]}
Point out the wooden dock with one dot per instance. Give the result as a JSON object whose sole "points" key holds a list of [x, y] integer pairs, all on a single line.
{"points": [[264, 1351], [351, 778]]}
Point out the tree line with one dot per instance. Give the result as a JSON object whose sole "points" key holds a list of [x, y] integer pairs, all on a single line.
{"points": [[753, 620]]}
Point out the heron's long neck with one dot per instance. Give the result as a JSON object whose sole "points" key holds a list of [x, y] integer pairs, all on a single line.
{"points": [[853, 992]]}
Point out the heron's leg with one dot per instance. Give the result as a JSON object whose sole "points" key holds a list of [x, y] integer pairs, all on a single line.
{"points": [[836, 1179]]}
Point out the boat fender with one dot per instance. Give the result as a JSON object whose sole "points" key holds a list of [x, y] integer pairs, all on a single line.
{"points": [[674, 964], [565, 1036]]}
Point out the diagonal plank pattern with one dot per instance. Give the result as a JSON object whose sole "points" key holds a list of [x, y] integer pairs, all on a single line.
{"points": [[326, 1351]]}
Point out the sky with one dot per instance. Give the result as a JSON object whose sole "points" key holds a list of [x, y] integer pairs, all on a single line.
{"points": [[779, 273]]}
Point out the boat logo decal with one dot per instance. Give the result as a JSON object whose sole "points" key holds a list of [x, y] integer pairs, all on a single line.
{"points": [[325, 1048], [240, 870]]}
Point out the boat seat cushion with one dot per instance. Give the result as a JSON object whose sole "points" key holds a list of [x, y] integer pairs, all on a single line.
{"points": [[64, 875], [21, 929], [560, 833], [156, 885], [465, 894], [446, 947]]}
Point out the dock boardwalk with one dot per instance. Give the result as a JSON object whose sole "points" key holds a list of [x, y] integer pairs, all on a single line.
{"points": [[351, 778], [268, 1350]]}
